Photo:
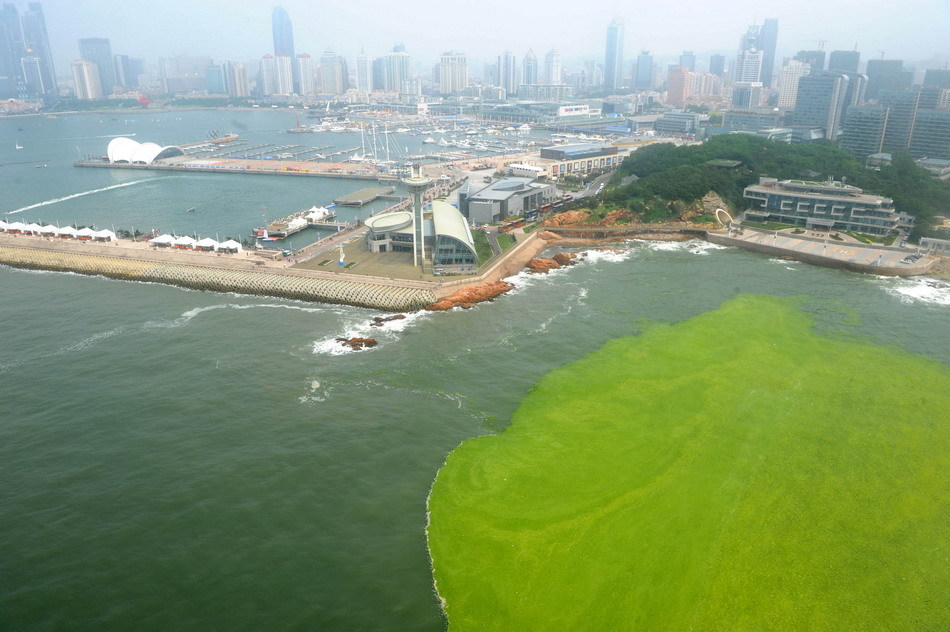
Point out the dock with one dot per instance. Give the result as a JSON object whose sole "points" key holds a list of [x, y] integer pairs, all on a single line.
{"points": [[363, 196]]}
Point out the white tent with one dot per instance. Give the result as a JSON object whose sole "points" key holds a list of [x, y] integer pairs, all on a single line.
{"points": [[185, 242], [3, 225], [230, 246], [206, 244], [67, 232], [104, 235], [33, 228], [49, 229], [16, 227], [85, 233], [162, 240]]}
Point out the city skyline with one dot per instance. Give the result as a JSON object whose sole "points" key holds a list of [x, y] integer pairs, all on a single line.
{"points": [[913, 32]]}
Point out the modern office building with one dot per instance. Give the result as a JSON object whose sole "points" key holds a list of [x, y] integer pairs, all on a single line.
{"points": [[678, 86], [333, 79], [613, 59], [820, 102], [529, 68], [364, 73], [283, 30], [552, 68], [507, 72], [397, 67], [887, 74], [216, 79], [86, 80], [717, 65], [902, 116], [11, 50], [688, 60], [751, 120], [677, 123], [863, 131], [823, 206], [748, 66], [644, 76], [508, 197], [937, 78], [767, 42], [844, 60], [746, 94], [99, 51], [239, 84], [931, 135], [36, 45], [788, 80], [814, 58], [453, 72]]}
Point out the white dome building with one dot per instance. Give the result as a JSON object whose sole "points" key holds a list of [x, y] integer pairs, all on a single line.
{"points": [[124, 149]]}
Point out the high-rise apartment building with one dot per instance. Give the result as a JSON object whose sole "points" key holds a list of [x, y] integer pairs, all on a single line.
{"points": [[86, 80], [364, 73], [613, 59], [678, 89], [99, 51], [844, 60], [239, 84], [529, 68], [397, 67], [453, 72], [331, 74], [305, 72], [788, 79], [688, 60], [507, 72], [283, 30], [552, 68], [864, 129]]}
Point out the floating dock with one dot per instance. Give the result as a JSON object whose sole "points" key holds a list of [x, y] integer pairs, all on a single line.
{"points": [[363, 196]]}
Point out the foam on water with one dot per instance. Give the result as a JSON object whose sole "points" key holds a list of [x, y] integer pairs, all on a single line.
{"points": [[359, 326], [917, 289]]}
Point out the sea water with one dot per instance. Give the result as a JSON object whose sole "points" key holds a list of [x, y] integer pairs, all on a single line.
{"points": [[181, 459]]}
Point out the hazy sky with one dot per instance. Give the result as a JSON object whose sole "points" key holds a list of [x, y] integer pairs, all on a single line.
{"points": [[913, 30]]}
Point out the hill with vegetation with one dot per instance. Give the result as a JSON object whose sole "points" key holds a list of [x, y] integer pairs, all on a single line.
{"points": [[672, 176]]}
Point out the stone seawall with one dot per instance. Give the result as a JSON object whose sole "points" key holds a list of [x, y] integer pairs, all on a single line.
{"points": [[218, 279]]}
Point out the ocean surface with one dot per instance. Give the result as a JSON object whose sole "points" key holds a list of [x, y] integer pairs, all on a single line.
{"points": [[174, 459]]}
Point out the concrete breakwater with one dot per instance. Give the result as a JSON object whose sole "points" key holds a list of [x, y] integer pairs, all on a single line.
{"points": [[223, 279]]}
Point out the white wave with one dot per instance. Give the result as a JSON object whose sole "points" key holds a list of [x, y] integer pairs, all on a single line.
{"points": [[919, 289], [694, 246], [83, 193], [610, 256], [361, 327]]}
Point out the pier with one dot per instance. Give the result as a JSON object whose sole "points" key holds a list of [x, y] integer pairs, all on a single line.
{"points": [[363, 196]]}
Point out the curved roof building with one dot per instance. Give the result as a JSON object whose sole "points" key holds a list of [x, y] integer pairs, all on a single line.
{"points": [[124, 149], [446, 234]]}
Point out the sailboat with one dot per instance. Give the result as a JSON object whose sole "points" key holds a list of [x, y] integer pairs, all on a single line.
{"points": [[19, 146]]}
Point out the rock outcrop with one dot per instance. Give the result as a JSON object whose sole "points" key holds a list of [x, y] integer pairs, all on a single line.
{"points": [[468, 297], [542, 265], [357, 344], [379, 320]]}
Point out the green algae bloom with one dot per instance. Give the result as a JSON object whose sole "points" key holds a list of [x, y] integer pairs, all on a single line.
{"points": [[736, 471]]}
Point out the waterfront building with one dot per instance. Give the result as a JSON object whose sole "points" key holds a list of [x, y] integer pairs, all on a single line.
{"points": [[820, 102], [864, 127], [788, 80], [844, 60], [645, 75], [688, 60], [98, 51], [305, 72], [283, 30], [529, 68], [613, 59], [453, 72], [824, 206], [887, 74], [552, 68], [507, 197], [86, 80]]}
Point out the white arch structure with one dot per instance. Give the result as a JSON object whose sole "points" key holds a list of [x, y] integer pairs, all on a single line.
{"points": [[124, 149]]}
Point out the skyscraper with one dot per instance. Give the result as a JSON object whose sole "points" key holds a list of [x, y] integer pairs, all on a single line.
{"points": [[820, 101], [717, 65], [11, 50], [643, 78], [748, 66], [788, 80], [529, 68], [613, 59], [284, 40], [99, 51], [688, 60], [864, 129], [814, 58], [86, 80], [507, 72], [844, 60], [552, 68], [36, 44], [887, 74], [398, 68], [364, 73], [768, 40], [679, 86], [305, 72]]}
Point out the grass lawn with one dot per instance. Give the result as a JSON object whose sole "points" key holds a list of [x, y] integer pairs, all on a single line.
{"points": [[736, 471]]}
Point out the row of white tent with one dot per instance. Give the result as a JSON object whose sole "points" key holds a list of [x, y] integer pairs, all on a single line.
{"points": [[190, 243], [65, 232]]}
